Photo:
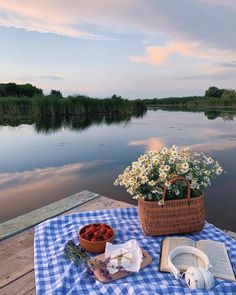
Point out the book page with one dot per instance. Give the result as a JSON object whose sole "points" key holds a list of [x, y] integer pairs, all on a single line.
{"points": [[218, 257], [181, 261]]}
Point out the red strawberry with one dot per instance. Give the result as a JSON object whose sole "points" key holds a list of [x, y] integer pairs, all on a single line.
{"points": [[110, 231], [92, 229], [97, 234], [88, 231], [107, 236], [103, 230]]}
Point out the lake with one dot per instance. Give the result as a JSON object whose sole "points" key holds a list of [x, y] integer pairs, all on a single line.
{"points": [[43, 162]]}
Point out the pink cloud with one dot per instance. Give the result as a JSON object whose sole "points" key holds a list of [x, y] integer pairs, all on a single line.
{"points": [[161, 18], [43, 17], [157, 55]]}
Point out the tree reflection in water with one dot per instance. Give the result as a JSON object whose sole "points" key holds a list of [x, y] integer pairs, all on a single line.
{"points": [[225, 113], [51, 124]]}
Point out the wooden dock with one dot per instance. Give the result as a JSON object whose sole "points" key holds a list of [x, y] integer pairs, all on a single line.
{"points": [[17, 239], [17, 245]]}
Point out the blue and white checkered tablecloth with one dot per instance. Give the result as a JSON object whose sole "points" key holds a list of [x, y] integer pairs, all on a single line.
{"points": [[55, 274]]}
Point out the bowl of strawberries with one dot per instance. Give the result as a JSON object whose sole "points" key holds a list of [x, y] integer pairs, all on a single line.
{"points": [[93, 237]]}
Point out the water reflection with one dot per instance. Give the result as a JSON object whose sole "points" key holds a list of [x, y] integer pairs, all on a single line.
{"points": [[47, 125], [46, 160], [226, 115], [211, 114], [52, 124], [34, 188], [214, 146], [150, 144], [156, 144]]}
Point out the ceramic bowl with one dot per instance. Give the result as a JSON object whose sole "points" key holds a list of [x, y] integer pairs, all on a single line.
{"points": [[94, 246]]}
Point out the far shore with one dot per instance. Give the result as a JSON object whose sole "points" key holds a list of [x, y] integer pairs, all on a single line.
{"points": [[205, 107]]}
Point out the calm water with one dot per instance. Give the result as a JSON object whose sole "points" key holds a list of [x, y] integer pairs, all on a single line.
{"points": [[44, 162]]}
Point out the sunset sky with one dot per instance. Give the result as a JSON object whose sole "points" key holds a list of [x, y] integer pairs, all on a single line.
{"points": [[134, 48]]}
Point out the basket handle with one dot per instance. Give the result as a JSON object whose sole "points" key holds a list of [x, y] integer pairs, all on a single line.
{"points": [[174, 179]]}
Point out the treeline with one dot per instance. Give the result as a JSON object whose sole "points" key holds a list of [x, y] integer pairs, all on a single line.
{"points": [[214, 97], [35, 104], [29, 101], [18, 90]]}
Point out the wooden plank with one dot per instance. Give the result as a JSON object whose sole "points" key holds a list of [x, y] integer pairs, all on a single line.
{"points": [[23, 285], [16, 265], [101, 203], [31, 292], [16, 252], [16, 242], [14, 262], [21, 223]]}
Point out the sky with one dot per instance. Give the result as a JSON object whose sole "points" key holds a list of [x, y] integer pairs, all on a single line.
{"points": [[132, 48]]}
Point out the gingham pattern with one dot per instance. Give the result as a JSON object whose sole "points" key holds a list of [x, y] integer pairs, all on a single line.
{"points": [[56, 275]]}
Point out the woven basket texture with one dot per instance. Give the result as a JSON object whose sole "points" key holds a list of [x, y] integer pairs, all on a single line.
{"points": [[175, 216]]}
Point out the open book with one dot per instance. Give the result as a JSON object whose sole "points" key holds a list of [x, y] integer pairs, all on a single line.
{"points": [[216, 252]]}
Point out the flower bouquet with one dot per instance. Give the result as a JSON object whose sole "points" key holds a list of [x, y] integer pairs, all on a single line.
{"points": [[162, 180]]}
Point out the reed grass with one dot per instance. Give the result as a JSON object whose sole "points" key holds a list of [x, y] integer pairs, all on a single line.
{"points": [[192, 101], [52, 106]]}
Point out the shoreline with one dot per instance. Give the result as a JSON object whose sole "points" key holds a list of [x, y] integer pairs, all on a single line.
{"points": [[206, 107]]}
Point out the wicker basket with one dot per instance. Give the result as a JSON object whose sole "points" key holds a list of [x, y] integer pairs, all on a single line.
{"points": [[175, 216]]}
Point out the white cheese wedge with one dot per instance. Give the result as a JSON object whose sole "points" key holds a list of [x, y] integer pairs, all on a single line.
{"points": [[121, 257]]}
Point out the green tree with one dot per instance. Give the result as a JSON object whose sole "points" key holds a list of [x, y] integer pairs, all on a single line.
{"points": [[56, 93], [229, 93], [214, 92], [13, 89], [114, 96], [2, 90], [29, 90]]}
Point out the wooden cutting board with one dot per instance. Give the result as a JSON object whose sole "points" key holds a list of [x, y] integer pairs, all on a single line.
{"points": [[147, 259]]}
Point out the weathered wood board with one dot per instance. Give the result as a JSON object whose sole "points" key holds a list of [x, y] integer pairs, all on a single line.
{"points": [[16, 252], [18, 224]]}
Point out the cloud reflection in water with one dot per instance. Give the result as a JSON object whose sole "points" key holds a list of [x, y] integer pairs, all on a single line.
{"points": [[32, 189], [151, 144]]}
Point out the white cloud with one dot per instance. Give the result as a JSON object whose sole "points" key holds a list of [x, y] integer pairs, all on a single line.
{"points": [[43, 16], [191, 38], [208, 21], [161, 54]]}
